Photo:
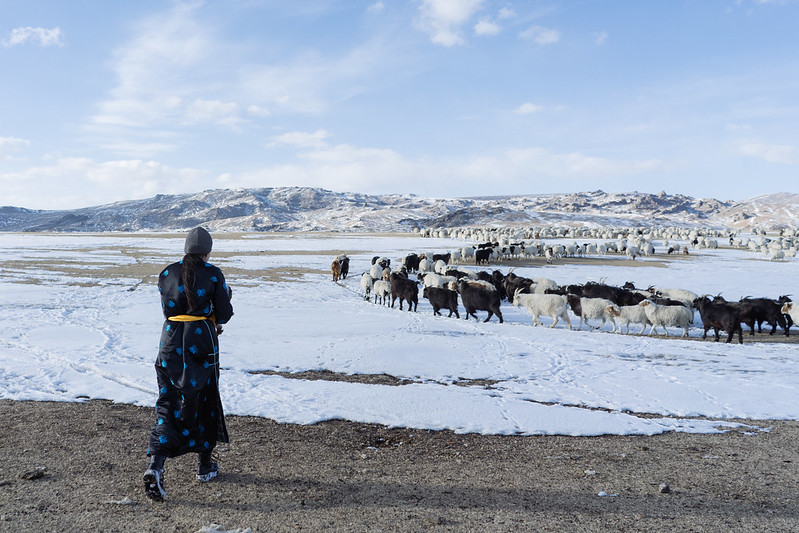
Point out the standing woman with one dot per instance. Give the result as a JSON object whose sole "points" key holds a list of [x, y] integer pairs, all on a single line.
{"points": [[189, 417]]}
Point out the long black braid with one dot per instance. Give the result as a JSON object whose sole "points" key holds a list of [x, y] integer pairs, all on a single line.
{"points": [[191, 262]]}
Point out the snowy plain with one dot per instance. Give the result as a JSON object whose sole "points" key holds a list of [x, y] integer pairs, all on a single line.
{"points": [[81, 319]]}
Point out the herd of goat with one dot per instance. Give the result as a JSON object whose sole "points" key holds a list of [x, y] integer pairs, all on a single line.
{"points": [[444, 284]]}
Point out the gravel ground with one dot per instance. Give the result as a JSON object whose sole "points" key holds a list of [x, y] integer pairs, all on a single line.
{"points": [[87, 460]]}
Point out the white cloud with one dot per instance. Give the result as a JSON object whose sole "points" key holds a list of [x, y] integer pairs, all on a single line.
{"points": [[486, 27], [301, 139], [772, 153], [80, 182], [506, 13], [376, 7], [12, 145], [201, 110], [160, 69], [528, 108], [540, 35], [600, 38], [75, 182], [258, 111], [374, 170], [443, 19], [42, 36]]}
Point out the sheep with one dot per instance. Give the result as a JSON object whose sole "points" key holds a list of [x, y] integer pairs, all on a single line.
{"points": [[425, 265], [634, 314], [553, 305], [594, 308], [431, 279], [542, 284], [376, 271], [382, 261], [381, 290], [682, 295], [367, 283], [440, 266], [667, 315], [791, 310]]}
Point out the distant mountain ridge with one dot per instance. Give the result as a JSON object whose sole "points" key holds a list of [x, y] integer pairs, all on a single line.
{"points": [[313, 209]]}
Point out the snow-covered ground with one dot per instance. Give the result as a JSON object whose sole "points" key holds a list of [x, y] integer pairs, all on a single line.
{"points": [[79, 322]]}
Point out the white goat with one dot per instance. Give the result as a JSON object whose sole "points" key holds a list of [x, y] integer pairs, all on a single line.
{"points": [[553, 305], [366, 284], [667, 315], [598, 308], [633, 314], [382, 289]]}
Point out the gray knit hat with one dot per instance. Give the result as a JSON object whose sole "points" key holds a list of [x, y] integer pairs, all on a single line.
{"points": [[199, 242]]}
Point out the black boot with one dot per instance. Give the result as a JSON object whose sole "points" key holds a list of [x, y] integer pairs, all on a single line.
{"points": [[154, 479], [206, 468]]}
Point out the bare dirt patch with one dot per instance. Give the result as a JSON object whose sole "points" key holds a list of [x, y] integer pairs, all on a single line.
{"points": [[345, 476]]}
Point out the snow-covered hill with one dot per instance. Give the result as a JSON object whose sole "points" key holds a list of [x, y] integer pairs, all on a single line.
{"points": [[311, 209]]}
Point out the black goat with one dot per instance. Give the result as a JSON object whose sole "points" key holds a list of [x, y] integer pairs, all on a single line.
{"points": [[719, 316], [404, 289], [442, 299], [479, 296]]}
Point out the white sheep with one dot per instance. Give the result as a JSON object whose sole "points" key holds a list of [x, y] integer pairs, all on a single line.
{"points": [[553, 305], [431, 279], [425, 265], [681, 295], [382, 289], [440, 267], [542, 284], [667, 315], [633, 314], [776, 255], [366, 284], [376, 271], [598, 308]]}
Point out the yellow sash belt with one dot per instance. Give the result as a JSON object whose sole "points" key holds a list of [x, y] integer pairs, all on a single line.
{"points": [[191, 318]]}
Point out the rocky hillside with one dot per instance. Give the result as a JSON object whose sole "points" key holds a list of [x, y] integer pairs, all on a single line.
{"points": [[310, 209]]}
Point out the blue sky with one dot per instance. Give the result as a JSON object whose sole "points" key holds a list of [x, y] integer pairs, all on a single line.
{"points": [[104, 101]]}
